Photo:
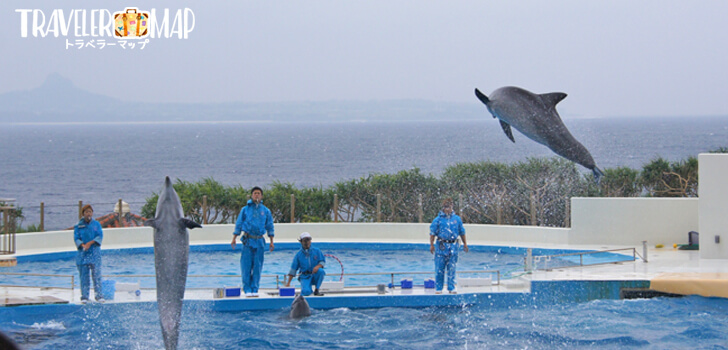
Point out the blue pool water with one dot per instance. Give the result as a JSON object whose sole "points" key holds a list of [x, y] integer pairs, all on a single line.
{"points": [[661, 323], [221, 260], [518, 322]]}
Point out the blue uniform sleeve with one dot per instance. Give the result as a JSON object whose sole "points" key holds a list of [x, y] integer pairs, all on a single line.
{"points": [[461, 228], [322, 259], [294, 266], [239, 222], [434, 227], [98, 232], [269, 223], [77, 236]]}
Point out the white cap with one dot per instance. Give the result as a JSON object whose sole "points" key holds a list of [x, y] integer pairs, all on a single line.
{"points": [[305, 235]]}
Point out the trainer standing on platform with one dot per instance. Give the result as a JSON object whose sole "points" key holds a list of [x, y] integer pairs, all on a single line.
{"points": [[88, 235], [254, 221], [446, 228]]}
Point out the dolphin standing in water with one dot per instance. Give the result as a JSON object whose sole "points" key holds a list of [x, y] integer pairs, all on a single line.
{"points": [[300, 308], [171, 257], [535, 116]]}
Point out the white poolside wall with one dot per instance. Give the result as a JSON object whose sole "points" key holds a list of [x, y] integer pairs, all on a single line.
{"points": [[595, 221], [713, 193]]}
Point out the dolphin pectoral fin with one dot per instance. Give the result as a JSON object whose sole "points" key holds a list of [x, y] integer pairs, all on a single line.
{"points": [[551, 99], [150, 223], [189, 223], [481, 97], [597, 174], [507, 129]]}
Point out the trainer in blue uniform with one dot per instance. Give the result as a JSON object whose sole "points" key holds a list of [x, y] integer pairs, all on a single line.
{"points": [[446, 228], [310, 261], [88, 236], [253, 222]]}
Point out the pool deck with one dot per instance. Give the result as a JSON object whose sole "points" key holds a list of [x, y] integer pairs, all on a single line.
{"points": [[668, 270]]}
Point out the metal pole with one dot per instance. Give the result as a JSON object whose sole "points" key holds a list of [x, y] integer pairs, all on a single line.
{"points": [[336, 207], [460, 206], [420, 212], [204, 210], [567, 213], [120, 225], [293, 208], [529, 259], [379, 207], [644, 251], [533, 210], [42, 217]]}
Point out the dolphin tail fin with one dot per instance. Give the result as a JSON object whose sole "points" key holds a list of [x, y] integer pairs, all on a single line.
{"points": [[507, 129], [597, 174], [189, 223], [482, 97]]}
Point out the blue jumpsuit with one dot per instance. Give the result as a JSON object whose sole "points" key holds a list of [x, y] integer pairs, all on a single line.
{"points": [[90, 259], [447, 229], [255, 220], [305, 260]]}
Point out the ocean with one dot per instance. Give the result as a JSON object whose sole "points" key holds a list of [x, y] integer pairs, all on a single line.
{"points": [[62, 164]]}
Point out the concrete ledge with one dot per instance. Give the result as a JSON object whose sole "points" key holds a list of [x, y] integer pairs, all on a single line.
{"points": [[693, 283]]}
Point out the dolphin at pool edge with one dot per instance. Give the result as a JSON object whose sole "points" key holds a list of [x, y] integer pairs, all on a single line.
{"points": [[300, 308], [536, 117], [171, 259]]}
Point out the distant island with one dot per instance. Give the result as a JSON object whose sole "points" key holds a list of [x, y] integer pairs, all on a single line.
{"points": [[58, 100]]}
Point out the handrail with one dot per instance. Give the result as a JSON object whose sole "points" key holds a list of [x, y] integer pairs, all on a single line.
{"points": [[547, 258], [73, 277], [392, 274]]}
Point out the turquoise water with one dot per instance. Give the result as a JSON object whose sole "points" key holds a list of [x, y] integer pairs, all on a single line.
{"points": [[520, 323], [221, 260], [352, 258], [661, 323]]}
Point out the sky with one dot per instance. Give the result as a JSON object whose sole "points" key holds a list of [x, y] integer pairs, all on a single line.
{"points": [[612, 58]]}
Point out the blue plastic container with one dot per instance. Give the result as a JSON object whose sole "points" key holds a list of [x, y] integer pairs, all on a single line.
{"points": [[429, 283], [108, 289], [287, 292], [406, 283], [232, 292]]}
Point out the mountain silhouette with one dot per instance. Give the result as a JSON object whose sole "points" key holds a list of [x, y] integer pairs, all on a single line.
{"points": [[58, 100]]}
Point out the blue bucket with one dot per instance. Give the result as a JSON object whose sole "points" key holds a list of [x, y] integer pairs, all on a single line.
{"points": [[108, 288]]}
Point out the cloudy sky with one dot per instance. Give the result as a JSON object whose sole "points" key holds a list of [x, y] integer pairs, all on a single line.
{"points": [[613, 58]]}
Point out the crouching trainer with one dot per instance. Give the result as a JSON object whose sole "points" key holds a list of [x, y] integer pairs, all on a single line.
{"points": [[310, 261]]}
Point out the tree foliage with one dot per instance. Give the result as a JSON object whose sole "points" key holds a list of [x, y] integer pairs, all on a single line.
{"points": [[533, 192]]}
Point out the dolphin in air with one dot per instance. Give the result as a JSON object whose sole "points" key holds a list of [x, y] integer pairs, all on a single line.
{"points": [[300, 308], [171, 255], [535, 116]]}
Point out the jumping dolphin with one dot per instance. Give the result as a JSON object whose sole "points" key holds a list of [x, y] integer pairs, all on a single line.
{"points": [[535, 116], [300, 308], [171, 252]]}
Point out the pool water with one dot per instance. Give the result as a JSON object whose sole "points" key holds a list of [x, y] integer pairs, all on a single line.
{"points": [[222, 260], [660, 323]]}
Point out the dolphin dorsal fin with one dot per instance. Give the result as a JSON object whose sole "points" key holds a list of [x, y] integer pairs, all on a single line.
{"points": [[185, 222], [552, 98]]}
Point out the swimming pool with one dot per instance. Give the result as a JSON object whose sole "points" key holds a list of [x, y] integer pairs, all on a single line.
{"points": [[222, 260], [679, 323]]}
